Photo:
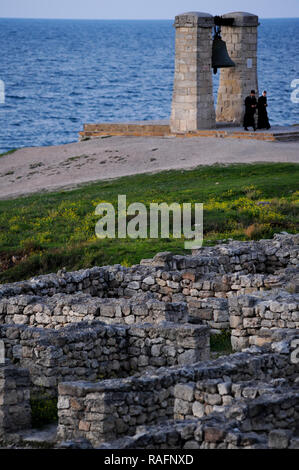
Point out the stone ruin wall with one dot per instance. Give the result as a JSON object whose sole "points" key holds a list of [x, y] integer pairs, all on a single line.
{"points": [[272, 429], [152, 321], [15, 410], [253, 319], [205, 280], [110, 410], [93, 351], [63, 310], [265, 257]]}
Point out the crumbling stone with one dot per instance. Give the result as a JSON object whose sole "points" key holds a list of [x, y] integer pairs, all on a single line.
{"points": [[127, 349]]}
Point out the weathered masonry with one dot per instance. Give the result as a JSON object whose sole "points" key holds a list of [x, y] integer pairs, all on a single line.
{"points": [[125, 351], [236, 401], [193, 102]]}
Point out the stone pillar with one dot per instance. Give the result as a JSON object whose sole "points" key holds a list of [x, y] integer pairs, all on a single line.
{"points": [[193, 102], [15, 409], [237, 82]]}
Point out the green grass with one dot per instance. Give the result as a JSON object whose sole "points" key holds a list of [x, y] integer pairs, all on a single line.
{"points": [[8, 153], [221, 343], [49, 231], [43, 411]]}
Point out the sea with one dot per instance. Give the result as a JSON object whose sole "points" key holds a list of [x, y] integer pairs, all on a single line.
{"points": [[60, 74]]}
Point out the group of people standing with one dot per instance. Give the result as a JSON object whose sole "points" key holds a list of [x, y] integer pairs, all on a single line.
{"points": [[251, 106]]}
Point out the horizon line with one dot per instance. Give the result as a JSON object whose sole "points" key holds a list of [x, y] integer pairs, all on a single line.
{"points": [[126, 19]]}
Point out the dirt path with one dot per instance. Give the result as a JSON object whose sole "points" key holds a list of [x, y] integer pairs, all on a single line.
{"points": [[40, 169]]}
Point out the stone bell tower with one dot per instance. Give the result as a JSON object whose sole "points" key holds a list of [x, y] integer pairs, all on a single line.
{"points": [[193, 103]]}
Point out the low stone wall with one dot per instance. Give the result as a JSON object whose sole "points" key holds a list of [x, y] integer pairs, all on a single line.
{"points": [[207, 396], [267, 413], [207, 433], [211, 311], [270, 422], [264, 256], [62, 310], [206, 298], [253, 318], [92, 131], [200, 398], [149, 129], [201, 279], [15, 410], [90, 351], [108, 410]]}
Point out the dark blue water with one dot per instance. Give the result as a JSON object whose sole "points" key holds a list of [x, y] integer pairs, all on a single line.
{"points": [[60, 74]]}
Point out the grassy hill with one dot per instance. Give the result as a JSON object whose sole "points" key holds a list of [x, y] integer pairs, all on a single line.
{"points": [[44, 232]]}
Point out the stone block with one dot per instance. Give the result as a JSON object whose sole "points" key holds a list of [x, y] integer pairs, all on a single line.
{"points": [[184, 392], [279, 439], [198, 410]]}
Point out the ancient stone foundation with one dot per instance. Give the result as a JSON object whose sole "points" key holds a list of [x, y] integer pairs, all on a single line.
{"points": [[127, 351], [93, 350], [112, 409]]}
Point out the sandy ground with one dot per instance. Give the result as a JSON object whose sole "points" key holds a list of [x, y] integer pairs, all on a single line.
{"points": [[41, 169]]}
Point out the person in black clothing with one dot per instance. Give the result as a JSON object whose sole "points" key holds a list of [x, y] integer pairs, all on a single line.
{"points": [[250, 108], [263, 120]]}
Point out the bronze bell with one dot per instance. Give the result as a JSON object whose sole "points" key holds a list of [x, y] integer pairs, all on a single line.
{"points": [[220, 57]]}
